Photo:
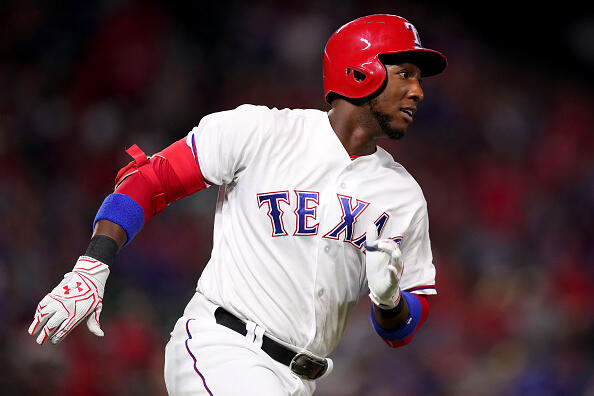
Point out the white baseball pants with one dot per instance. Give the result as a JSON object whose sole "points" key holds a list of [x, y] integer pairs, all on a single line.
{"points": [[205, 358]]}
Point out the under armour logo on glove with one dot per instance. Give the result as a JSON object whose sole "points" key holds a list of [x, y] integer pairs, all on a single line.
{"points": [[67, 288], [78, 296]]}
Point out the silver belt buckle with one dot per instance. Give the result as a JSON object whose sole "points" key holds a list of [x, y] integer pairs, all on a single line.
{"points": [[307, 366]]}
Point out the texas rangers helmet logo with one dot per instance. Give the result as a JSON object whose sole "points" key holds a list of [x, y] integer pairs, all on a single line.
{"points": [[411, 27]]}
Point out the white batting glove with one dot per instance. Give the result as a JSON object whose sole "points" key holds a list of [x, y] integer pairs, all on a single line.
{"points": [[384, 269], [78, 296]]}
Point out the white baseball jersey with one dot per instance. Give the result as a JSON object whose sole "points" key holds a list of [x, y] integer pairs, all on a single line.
{"points": [[290, 220]]}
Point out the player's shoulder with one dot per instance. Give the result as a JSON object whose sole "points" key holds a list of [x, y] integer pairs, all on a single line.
{"points": [[277, 112], [399, 176], [241, 112], [290, 115], [280, 122], [250, 113], [397, 170]]}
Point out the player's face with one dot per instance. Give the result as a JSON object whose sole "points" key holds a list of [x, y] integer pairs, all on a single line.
{"points": [[395, 106]]}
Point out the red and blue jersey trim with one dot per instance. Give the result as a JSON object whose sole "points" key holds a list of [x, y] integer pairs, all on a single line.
{"points": [[194, 150], [195, 153], [421, 287]]}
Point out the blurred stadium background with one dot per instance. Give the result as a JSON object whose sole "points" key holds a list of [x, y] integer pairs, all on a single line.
{"points": [[502, 147]]}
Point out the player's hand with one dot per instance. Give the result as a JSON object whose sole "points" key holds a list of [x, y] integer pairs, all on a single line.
{"points": [[78, 296], [384, 269]]}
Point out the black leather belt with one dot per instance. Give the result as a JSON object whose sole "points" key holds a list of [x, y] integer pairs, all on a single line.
{"points": [[303, 364]]}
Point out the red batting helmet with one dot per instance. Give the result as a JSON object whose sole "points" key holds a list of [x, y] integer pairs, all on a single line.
{"points": [[352, 67]]}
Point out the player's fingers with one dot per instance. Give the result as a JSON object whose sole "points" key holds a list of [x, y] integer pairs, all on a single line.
{"points": [[61, 332], [84, 307], [42, 315], [393, 270], [93, 321], [42, 336], [388, 246], [370, 237], [34, 327], [57, 318], [396, 268]]}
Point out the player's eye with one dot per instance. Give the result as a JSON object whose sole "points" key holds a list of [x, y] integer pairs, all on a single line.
{"points": [[404, 73]]}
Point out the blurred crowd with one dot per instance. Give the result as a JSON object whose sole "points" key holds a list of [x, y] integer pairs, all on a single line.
{"points": [[501, 146]]}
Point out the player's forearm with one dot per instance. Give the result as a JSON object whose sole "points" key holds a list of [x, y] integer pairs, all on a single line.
{"points": [[112, 230], [385, 323], [106, 241], [391, 319]]}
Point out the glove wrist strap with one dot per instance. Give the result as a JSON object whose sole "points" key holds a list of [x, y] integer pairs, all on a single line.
{"points": [[391, 312], [102, 248], [384, 303]]}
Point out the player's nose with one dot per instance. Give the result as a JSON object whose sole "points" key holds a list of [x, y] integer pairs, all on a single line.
{"points": [[415, 91]]}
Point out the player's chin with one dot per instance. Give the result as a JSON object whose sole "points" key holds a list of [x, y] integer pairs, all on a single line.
{"points": [[395, 132], [398, 126], [395, 135]]}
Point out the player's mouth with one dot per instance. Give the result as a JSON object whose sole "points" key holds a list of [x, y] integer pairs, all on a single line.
{"points": [[408, 112]]}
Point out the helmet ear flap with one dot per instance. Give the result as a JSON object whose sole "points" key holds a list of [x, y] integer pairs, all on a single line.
{"points": [[364, 80]]}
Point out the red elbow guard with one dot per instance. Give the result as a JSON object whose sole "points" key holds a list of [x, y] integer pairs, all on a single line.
{"points": [[161, 179], [185, 166], [139, 181]]}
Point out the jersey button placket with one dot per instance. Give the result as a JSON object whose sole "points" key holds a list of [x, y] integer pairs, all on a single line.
{"points": [[341, 180], [327, 256]]}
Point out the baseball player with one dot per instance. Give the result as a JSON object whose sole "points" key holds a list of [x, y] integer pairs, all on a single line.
{"points": [[311, 214]]}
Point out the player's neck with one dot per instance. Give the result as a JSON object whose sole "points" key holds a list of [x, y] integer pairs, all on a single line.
{"points": [[356, 134]]}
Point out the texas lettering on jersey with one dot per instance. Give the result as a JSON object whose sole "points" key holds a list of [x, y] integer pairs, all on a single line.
{"points": [[277, 202]]}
